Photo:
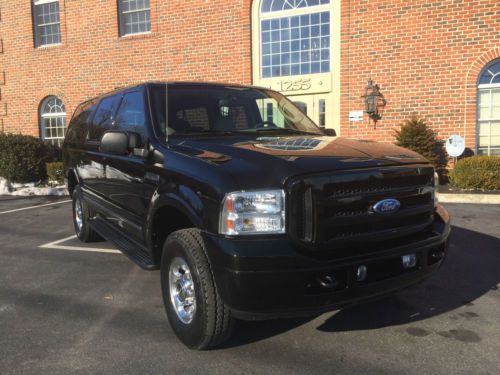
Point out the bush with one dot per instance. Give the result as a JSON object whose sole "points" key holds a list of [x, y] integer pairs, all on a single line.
{"points": [[477, 172], [55, 172], [54, 152], [22, 158], [416, 135]]}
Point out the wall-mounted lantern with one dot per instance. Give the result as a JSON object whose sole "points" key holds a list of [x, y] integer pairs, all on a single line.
{"points": [[374, 101]]}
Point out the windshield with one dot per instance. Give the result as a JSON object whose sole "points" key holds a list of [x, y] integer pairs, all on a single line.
{"points": [[204, 109]]}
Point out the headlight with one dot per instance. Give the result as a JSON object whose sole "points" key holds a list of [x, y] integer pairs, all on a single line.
{"points": [[253, 212]]}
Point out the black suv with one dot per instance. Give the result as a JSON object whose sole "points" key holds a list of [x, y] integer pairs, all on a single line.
{"points": [[248, 208]]}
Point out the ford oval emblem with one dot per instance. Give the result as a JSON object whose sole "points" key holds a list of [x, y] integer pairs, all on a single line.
{"points": [[387, 206]]}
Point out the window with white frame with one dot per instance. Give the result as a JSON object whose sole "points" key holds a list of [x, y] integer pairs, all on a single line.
{"points": [[488, 110], [53, 120], [294, 37], [135, 16], [46, 22]]}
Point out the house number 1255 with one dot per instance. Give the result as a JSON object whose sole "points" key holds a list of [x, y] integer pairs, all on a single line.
{"points": [[297, 85]]}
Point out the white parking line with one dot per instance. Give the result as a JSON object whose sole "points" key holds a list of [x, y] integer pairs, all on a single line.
{"points": [[55, 245], [32, 207]]}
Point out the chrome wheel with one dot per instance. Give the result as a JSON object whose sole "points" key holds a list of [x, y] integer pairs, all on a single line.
{"points": [[182, 293], [78, 215]]}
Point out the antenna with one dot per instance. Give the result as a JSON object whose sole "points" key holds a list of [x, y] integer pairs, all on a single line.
{"points": [[166, 111]]}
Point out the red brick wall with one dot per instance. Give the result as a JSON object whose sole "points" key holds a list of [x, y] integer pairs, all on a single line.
{"points": [[426, 57], [190, 40]]}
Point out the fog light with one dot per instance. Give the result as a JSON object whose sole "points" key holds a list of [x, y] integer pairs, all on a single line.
{"points": [[409, 261], [361, 273]]}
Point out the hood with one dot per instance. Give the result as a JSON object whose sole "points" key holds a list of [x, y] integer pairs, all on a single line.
{"points": [[270, 160]]}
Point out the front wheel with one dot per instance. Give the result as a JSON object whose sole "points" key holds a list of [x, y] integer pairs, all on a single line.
{"points": [[198, 316], [81, 215]]}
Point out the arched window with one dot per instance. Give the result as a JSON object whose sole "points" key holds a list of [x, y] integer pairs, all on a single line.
{"points": [[488, 111], [294, 37], [53, 120]]}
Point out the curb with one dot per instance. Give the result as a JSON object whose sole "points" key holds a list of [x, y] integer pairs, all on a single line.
{"points": [[469, 198]]}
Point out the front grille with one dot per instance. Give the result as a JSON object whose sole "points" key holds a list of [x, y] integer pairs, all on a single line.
{"points": [[336, 210]]}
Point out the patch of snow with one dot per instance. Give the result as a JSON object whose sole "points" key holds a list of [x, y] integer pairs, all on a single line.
{"points": [[30, 189], [18, 185], [5, 186], [38, 191]]}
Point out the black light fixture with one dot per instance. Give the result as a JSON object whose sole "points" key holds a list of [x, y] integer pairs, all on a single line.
{"points": [[374, 101]]}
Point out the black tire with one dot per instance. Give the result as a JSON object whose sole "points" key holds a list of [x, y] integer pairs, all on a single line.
{"points": [[84, 232], [212, 322]]}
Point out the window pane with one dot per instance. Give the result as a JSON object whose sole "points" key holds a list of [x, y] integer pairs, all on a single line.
{"points": [[491, 74], [484, 128], [322, 112], [495, 97], [495, 128], [495, 141], [131, 115], [495, 112], [195, 118], [484, 141], [47, 23], [103, 118], [484, 113], [53, 121], [484, 97], [311, 42], [135, 16]]}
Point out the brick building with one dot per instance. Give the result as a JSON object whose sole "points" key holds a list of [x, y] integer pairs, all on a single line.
{"points": [[436, 59]]}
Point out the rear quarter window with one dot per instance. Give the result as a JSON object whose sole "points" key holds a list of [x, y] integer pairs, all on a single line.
{"points": [[78, 125], [103, 119]]}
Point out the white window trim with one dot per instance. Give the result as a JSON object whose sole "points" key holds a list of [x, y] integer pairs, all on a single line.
{"points": [[489, 86], [56, 114], [41, 2]]}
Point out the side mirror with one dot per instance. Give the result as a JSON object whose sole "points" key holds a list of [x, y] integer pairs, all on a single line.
{"points": [[119, 142], [330, 132]]}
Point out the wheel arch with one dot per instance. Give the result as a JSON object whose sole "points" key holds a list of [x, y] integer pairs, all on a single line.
{"points": [[168, 214]]}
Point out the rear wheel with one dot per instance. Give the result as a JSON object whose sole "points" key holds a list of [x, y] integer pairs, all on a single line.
{"points": [[81, 215], [198, 316]]}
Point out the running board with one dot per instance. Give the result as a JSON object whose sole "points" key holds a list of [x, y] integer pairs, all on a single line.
{"points": [[133, 250]]}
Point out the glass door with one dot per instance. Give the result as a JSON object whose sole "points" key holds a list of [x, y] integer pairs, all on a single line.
{"points": [[314, 106]]}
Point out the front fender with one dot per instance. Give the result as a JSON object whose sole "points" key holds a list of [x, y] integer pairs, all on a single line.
{"points": [[184, 200]]}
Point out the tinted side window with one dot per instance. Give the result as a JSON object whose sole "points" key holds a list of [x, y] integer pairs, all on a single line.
{"points": [[131, 116], [76, 130], [103, 118]]}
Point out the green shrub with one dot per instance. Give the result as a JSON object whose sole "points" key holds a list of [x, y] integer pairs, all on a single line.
{"points": [[55, 172], [477, 172], [22, 158], [416, 135], [54, 152]]}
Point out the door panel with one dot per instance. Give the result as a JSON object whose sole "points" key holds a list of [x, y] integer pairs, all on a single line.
{"points": [[127, 185]]}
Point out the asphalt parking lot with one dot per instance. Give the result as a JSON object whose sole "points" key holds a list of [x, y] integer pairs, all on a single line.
{"points": [[65, 309]]}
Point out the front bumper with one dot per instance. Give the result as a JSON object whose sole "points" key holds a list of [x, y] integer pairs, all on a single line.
{"points": [[260, 278]]}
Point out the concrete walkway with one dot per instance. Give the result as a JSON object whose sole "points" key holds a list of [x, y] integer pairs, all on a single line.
{"points": [[469, 198]]}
